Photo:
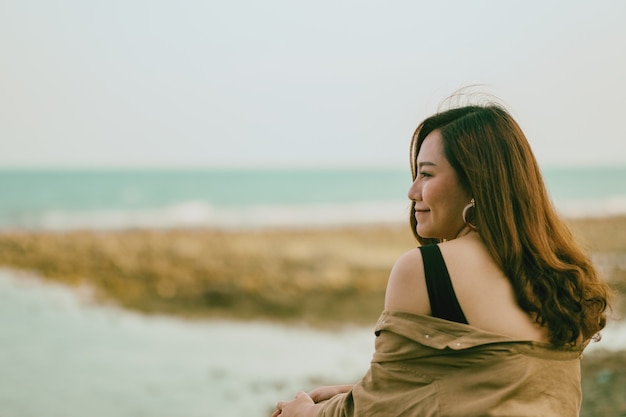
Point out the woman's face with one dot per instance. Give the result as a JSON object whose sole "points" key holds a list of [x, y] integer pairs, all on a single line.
{"points": [[436, 193]]}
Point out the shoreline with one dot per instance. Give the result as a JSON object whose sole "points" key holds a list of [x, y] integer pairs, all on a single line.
{"points": [[313, 275]]}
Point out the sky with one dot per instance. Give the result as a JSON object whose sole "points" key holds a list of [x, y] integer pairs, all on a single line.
{"points": [[283, 83]]}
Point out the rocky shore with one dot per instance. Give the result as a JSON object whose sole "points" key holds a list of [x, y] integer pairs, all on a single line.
{"points": [[322, 277]]}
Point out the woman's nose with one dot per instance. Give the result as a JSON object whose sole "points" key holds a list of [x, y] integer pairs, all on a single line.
{"points": [[414, 190]]}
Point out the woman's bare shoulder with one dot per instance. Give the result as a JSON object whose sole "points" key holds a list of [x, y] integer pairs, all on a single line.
{"points": [[406, 288]]}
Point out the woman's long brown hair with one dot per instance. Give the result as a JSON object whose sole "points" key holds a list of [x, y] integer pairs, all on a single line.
{"points": [[554, 281]]}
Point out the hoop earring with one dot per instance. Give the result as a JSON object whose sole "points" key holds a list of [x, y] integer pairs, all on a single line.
{"points": [[471, 205]]}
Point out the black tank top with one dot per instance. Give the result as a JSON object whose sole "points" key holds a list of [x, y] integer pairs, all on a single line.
{"points": [[443, 301]]}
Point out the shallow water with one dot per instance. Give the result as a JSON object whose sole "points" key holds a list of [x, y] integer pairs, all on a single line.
{"points": [[63, 357], [60, 356]]}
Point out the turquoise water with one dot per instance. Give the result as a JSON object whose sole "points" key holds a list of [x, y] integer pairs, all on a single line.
{"points": [[56, 199], [67, 199]]}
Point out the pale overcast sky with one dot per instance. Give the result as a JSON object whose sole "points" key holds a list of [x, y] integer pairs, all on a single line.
{"points": [[275, 83]]}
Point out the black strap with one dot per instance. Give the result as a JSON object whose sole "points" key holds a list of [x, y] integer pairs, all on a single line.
{"points": [[443, 301]]}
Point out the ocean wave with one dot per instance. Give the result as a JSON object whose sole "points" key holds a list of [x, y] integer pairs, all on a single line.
{"points": [[201, 214], [197, 213], [613, 205]]}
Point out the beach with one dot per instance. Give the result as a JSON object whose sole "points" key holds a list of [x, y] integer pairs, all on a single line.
{"points": [[320, 278]]}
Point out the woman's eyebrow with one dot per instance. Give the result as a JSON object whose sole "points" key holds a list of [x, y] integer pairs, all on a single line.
{"points": [[421, 164]]}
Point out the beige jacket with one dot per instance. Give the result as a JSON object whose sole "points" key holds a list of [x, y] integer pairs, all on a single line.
{"points": [[425, 366]]}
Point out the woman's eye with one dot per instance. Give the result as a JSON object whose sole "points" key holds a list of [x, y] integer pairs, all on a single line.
{"points": [[424, 174]]}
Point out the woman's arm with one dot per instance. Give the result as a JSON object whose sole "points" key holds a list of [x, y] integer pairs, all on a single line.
{"points": [[325, 393], [301, 406], [307, 405]]}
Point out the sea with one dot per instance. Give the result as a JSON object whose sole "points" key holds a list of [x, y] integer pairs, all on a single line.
{"points": [[63, 356], [239, 198]]}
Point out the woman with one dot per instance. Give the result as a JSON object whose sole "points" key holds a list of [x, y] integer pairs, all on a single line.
{"points": [[490, 315]]}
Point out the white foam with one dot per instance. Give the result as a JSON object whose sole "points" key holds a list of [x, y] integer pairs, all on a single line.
{"points": [[577, 208], [201, 214], [197, 213]]}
